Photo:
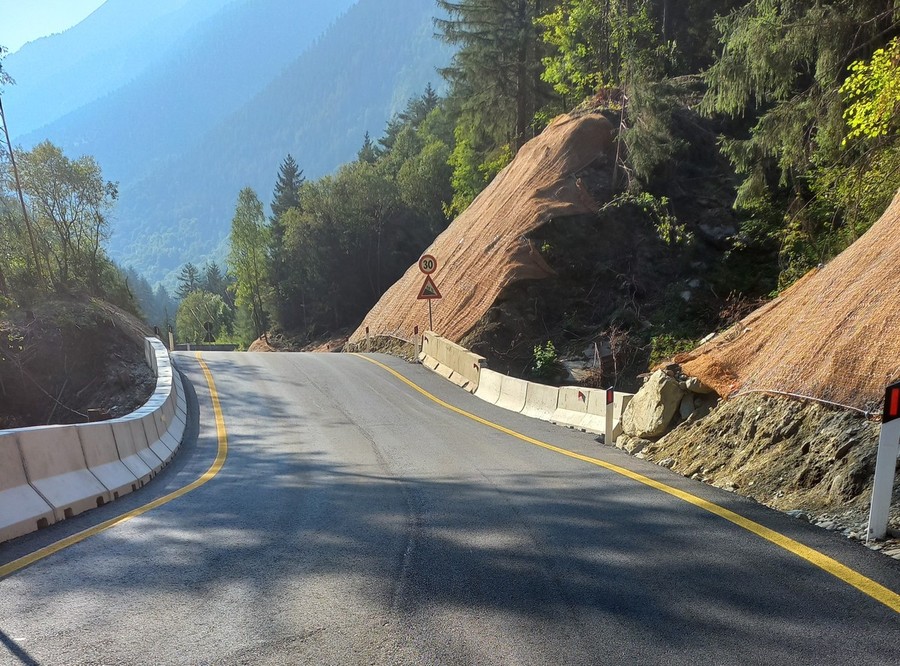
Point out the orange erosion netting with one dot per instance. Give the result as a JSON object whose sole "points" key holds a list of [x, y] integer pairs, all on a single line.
{"points": [[485, 249], [834, 335]]}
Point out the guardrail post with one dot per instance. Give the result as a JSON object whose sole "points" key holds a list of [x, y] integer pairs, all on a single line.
{"points": [[885, 465]]}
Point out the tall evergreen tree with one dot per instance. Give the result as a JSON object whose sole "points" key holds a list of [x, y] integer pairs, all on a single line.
{"points": [[188, 280], [496, 69], [782, 65], [287, 187]]}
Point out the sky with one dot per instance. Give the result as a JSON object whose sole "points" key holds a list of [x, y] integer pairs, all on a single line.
{"points": [[25, 20]]}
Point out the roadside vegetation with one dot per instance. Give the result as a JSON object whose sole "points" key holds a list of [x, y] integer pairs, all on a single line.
{"points": [[788, 111]]}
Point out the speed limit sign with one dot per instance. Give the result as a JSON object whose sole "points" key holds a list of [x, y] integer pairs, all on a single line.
{"points": [[427, 264]]}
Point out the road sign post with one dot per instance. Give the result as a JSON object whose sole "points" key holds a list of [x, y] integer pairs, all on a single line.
{"points": [[885, 464], [429, 291]]}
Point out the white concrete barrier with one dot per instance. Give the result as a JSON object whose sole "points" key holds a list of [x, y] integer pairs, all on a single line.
{"points": [[572, 407], [22, 510], [540, 401], [489, 386], [51, 473], [128, 451], [453, 362], [512, 393], [102, 457], [55, 466]]}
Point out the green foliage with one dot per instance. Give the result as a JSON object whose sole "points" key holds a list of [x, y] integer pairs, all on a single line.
{"points": [[249, 260], [665, 346], [781, 67], [196, 310], [545, 362], [495, 72], [872, 92]]}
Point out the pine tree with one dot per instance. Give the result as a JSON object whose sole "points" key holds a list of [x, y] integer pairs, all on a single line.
{"points": [[287, 188], [781, 65], [496, 69], [368, 153], [188, 281]]}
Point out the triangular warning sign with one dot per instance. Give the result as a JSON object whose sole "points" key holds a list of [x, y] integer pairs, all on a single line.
{"points": [[429, 290]]}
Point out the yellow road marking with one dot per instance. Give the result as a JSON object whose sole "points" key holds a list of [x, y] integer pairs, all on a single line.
{"points": [[222, 453], [862, 583]]}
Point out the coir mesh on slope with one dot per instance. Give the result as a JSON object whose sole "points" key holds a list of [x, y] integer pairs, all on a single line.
{"points": [[834, 335], [486, 249]]}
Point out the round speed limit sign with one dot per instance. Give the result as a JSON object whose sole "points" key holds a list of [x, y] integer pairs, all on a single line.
{"points": [[427, 264]]}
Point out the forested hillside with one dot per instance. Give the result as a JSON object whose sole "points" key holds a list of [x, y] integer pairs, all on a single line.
{"points": [[349, 83], [756, 140]]}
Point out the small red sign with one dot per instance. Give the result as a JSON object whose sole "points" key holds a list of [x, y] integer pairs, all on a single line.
{"points": [[429, 290], [427, 264], [610, 396], [891, 403]]}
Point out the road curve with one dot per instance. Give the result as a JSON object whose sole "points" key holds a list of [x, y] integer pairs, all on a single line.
{"points": [[357, 520]]}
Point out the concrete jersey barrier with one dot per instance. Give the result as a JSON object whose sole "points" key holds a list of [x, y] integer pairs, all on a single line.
{"points": [[451, 361], [55, 466], [51, 473], [572, 406], [22, 509], [540, 401], [512, 393]]}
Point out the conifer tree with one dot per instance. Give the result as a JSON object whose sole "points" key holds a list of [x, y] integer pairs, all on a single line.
{"points": [[496, 69], [287, 187]]}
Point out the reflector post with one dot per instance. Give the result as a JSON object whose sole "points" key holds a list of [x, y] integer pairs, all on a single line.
{"points": [[891, 403]]}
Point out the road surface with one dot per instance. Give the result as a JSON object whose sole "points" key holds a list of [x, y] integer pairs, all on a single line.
{"points": [[359, 520]]}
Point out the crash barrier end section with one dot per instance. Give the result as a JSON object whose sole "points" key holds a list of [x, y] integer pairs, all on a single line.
{"points": [[540, 401], [22, 509], [512, 393], [98, 443], [55, 466], [489, 385]]}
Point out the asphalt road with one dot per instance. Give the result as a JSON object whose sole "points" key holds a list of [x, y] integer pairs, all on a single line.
{"points": [[358, 521]]}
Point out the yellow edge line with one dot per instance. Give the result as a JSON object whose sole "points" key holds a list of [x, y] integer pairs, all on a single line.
{"points": [[222, 453], [862, 583]]}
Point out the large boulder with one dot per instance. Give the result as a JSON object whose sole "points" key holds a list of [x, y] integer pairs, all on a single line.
{"points": [[653, 407]]}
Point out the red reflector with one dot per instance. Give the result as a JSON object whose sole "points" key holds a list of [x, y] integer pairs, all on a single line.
{"points": [[610, 396], [891, 403]]}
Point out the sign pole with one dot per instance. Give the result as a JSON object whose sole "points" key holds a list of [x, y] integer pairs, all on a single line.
{"points": [[885, 464], [429, 291]]}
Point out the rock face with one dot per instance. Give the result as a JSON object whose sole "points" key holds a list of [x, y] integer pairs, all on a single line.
{"points": [[653, 407]]}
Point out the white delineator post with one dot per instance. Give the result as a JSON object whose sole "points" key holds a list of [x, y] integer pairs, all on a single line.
{"points": [[885, 464], [608, 434]]}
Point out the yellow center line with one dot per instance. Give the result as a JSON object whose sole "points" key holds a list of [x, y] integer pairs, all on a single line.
{"points": [[862, 583], [214, 469]]}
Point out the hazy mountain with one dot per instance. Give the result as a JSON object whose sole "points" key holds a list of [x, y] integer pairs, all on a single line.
{"points": [[364, 69], [242, 84], [117, 43], [209, 71]]}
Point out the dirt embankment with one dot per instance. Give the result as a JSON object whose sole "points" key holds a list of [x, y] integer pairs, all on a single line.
{"points": [[486, 248], [67, 356]]}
